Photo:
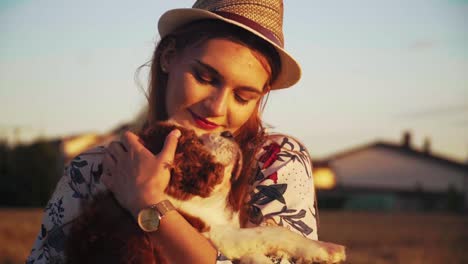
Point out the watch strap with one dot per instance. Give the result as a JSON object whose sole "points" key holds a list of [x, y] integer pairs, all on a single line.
{"points": [[163, 207]]}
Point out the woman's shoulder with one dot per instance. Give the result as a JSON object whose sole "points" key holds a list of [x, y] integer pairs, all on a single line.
{"points": [[283, 145], [87, 161], [83, 172], [91, 155], [287, 141], [285, 154]]}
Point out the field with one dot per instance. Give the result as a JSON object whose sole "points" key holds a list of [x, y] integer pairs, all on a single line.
{"points": [[18, 229], [378, 238], [375, 238]]}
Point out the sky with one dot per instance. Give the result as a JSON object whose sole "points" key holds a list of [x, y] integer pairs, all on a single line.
{"points": [[371, 70]]}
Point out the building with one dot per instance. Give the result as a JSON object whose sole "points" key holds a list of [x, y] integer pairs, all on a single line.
{"points": [[386, 176]]}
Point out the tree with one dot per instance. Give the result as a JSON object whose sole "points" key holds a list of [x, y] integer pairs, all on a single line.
{"points": [[29, 173]]}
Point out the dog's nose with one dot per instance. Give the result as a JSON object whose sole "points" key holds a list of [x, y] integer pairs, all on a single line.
{"points": [[226, 134]]}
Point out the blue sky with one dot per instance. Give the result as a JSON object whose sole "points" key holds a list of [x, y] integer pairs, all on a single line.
{"points": [[371, 69]]}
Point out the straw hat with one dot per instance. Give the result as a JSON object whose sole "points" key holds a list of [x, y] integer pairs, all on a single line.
{"points": [[263, 18]]}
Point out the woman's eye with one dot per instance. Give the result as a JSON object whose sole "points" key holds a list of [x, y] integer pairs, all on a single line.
{"points": [[241, 100], [202, 78]]}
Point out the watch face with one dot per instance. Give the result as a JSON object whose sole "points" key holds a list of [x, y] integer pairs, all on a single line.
{"points": [[148, 219]]}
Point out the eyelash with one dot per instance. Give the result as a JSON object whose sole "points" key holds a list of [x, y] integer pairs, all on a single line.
{"points": [[241, 100], [203, 80]]}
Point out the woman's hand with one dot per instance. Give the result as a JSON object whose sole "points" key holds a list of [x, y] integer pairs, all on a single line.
{"points": [[135, 176]]}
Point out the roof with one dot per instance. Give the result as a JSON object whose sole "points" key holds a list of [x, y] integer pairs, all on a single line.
{"points": [[408, 151]]}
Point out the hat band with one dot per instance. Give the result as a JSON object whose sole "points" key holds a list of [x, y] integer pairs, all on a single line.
{"points": [[251, 24]]}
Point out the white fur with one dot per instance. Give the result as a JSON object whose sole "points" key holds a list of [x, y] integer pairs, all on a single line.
{"points": [[251, 245], [213, 210], [225, 150]]}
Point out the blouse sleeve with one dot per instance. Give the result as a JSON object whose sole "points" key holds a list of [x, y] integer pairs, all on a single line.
{"points": [[284, 192], [80, 181]]}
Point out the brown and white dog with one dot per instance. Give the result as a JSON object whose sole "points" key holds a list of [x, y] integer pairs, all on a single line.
{"points": [[201, 176]]}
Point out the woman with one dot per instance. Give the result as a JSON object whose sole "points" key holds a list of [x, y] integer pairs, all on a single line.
{"points": [[211, 70]]}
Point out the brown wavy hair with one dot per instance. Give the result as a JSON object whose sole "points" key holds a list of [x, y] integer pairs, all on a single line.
{"points": [[251, 135]]}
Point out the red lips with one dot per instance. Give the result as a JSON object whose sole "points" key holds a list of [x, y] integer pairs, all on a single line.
{"points": [[202, 122]]}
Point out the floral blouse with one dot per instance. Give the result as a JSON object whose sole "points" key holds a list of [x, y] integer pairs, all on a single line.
{"points": [[283, 192]]}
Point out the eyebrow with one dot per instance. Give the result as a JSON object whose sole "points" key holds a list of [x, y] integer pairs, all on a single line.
{"points": [[208, 68], [215, 72]]}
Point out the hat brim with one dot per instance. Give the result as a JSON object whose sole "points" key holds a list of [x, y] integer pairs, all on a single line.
{"points": [[290, 72]]}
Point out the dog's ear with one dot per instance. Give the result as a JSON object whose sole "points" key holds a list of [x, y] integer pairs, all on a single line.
{"points": [[237, 169], [195, 173], [153, 136]]}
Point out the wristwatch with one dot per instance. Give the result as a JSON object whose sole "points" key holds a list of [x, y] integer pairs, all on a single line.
{"points": [[149, 218]]}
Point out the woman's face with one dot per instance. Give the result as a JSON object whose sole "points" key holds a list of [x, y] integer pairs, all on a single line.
{"points": [[214, 86]]}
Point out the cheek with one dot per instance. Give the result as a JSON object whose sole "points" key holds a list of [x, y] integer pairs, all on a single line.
{"points": [[181, 93], [240, 116]]}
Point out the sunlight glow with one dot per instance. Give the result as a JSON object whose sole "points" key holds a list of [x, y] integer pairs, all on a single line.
{"points": [[324, 178]]}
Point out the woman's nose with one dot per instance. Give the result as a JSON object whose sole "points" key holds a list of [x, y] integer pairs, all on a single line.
{"points": [[217, 103]]}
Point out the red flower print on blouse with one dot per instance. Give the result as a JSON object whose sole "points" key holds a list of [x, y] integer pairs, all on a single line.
{"points": [[268, 158], [273, 177], [270, 155]]}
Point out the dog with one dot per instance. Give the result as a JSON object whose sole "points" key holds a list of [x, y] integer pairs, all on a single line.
{"points": [[201, 176]]}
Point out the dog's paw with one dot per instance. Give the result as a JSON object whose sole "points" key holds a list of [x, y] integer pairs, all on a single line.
{"points": [[273, 241], [254, 258], [336, 253]]}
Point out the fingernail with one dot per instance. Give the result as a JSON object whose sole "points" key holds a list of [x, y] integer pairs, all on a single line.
{"points": [[176, 133]]}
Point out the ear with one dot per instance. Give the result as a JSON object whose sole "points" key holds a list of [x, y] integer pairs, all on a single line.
{"points": [[168, 54]]}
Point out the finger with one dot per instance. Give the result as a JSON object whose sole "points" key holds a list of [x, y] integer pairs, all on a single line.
{"points": [[124, 144], [106, 177], [121, 145], [107, 181], [108, 160], [109, 157], [108, 165], [170, 146], [130, 140], [116, 150]]}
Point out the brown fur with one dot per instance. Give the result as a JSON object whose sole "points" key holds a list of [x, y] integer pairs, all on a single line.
{"points": [[194, 171], [107, 233]]}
